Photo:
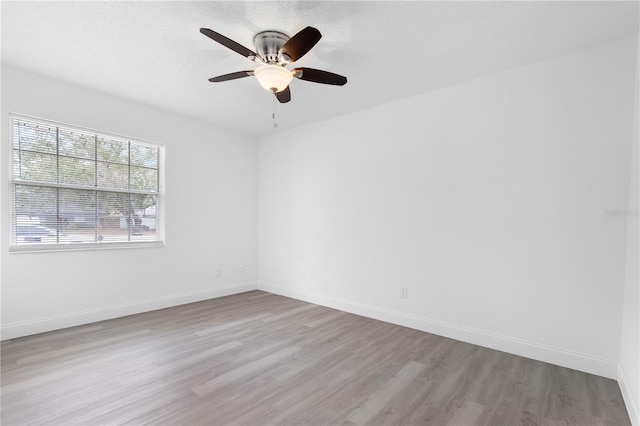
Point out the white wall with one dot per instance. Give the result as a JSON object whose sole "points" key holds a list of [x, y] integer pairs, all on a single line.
{"points": [[208, 170], [486, 199], [629, 368]]}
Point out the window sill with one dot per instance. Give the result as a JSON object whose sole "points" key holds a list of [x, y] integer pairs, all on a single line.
{"points": [[44, 248]]}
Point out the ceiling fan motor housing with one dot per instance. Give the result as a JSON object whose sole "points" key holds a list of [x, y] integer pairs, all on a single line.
{"points": [[268, 45]]}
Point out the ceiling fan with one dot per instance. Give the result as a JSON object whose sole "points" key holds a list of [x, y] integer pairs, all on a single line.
{"points": [[275, 50]]}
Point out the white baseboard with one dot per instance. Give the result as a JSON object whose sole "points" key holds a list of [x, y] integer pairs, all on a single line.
{"points": [[630, 400], [537, 351], [41, 325]]}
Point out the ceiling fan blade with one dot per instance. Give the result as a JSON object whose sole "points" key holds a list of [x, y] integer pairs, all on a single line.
{"points": [[284, 96], [301, 43], [231, 76], [227, 42], [319, 76]]}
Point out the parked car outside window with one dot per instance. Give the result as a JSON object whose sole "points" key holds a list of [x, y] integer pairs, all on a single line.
{"points": [[35, 234]]}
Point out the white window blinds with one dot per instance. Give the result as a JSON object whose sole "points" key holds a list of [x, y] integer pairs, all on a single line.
{"points": [[73, 188]]}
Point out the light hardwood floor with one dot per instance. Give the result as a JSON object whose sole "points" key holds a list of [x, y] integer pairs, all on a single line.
{"points": [[258, 359]]}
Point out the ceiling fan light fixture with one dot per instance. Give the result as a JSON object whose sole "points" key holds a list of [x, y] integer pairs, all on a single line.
{"points": [[274, 78], [274, 51]]}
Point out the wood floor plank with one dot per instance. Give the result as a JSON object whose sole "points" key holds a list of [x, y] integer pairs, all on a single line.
{"points": [[467, 413], [242, 371], [381, 396], [260, 359]]}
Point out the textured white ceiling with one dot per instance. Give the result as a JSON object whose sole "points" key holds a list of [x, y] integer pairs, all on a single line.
{"points": [[152, 52]]}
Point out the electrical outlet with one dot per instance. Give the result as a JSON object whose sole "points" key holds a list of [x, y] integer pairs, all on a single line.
{"points": [[218, 273], [404, 293], [243, 268], [302, 278]]}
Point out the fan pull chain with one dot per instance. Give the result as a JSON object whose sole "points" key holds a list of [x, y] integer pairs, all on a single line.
{"points": [[273, 114]]}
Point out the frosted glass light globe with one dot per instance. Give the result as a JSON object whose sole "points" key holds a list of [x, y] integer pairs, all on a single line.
{"points": [[274, 78]]}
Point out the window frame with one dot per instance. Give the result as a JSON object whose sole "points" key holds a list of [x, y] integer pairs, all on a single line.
{"points": [[14, 247]]}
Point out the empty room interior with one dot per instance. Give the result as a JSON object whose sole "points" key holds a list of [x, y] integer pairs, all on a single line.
{"points": [[320, 212]]}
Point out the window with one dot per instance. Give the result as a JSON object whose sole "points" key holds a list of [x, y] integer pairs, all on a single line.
{"points": [[72, 188]]}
